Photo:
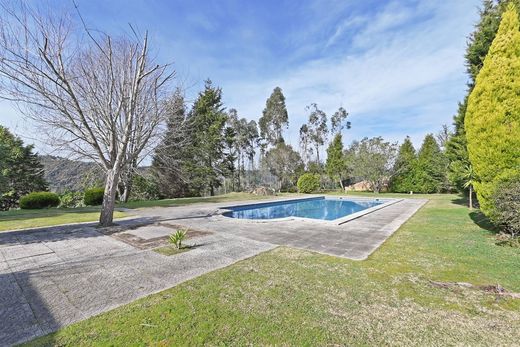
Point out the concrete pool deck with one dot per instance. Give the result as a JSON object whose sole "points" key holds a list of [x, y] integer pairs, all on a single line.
{"points": [[355, 239], [51, 277]]}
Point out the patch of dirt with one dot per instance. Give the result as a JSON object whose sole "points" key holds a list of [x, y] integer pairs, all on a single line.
{"points": [[491, 288], [118, 232]]}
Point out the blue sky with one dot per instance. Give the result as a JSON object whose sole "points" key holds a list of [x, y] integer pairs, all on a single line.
{"points": [[396, 66]]}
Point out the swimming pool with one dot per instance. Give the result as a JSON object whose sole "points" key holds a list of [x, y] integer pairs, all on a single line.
{"points": [[323, 208]]}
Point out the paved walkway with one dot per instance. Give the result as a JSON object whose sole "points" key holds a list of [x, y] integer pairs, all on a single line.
{"points": [[52, 277]]}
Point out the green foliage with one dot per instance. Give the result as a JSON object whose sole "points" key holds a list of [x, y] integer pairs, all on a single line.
{"points": [[37, 200], [284, 163], [207, 159], [403, 180], [144, 187], [71, 200], [20, 170], [506, 200], [372, 160], [492, 120], [177, 237], [336, 166], [430, 169], [274, 118], [309, 183], [93, 196]]}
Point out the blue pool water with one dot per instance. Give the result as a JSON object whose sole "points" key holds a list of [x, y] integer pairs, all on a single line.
{"points": [[316, 208]]}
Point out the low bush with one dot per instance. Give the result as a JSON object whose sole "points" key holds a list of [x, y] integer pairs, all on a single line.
{"points": [[506, 201], [38, 200], [71, 199], [93, 196], [308, 183]]}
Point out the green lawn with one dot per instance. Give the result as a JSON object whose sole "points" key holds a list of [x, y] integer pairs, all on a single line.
{"points": [[295, 297], [20, 219]]}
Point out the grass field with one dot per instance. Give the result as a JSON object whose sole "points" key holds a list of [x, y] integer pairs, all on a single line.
{"points": [[294, 297], [20, 219]]}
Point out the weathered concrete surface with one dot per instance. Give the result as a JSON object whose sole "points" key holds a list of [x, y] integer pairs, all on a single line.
{"points": [[53, 277], [356, 239]]}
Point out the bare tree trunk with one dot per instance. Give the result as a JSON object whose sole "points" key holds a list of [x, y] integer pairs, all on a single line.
{"points": [[109, 199], [341, 184], [470, 197]]}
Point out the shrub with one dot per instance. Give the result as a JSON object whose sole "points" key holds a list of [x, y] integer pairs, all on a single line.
{"points": [[71, 199], [309, 183], [177, 237], [94, 196], [506, 200], [37, 200]]}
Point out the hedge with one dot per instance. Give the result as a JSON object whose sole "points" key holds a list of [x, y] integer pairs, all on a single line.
{"points": [[38, 200], [94, 196]]}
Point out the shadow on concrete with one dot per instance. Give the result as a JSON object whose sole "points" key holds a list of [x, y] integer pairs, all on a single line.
{"points": [[66, 232], [24, 313]]}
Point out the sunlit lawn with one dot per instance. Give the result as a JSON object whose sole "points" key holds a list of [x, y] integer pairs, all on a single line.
{"points": [[20, 219], [294, 297]]}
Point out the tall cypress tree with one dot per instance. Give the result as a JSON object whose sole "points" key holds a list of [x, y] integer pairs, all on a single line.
{"points": [[336, 166], [478, 46], [493, 116], [403, 180], [430, 171]]}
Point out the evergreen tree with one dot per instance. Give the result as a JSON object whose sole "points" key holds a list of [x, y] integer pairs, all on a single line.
{"points": [[168, 165], [493, 116], [274, 118], [207, 125], [335, 165], [478, 46], [403, 180], [20, 170], [430, 171]]}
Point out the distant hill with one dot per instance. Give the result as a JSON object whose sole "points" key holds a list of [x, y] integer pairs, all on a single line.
{"points": [[64, 174]]}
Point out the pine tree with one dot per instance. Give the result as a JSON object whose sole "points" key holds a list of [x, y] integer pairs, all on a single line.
{"points": [[493, 116], [403, 180], [274, 118], [430, 171], [20, 170], [336, 166], [173, 151]]}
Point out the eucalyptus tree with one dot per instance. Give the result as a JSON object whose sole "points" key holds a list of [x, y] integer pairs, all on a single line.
{"points": [[284, 163], [274, 118], [94, 95], [317, 128], [339, 121]]}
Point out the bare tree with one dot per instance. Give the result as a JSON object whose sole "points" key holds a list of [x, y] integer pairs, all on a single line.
{"points": [[94, 95]]}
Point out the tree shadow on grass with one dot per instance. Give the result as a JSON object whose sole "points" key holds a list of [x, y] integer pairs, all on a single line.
{"points": [[482, 221]]}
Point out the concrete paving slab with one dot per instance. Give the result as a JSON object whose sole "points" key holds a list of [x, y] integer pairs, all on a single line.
{"points": [[53, 277]]}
